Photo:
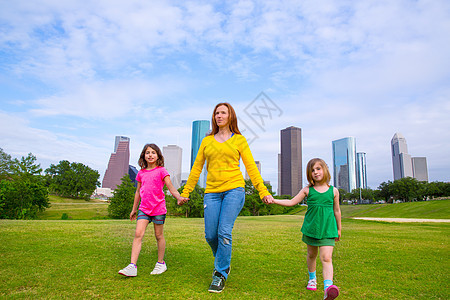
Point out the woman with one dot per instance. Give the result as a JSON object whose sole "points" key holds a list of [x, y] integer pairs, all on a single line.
{"points": [[224, 193]]}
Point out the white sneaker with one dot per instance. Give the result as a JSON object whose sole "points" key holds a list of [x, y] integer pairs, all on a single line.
{"points": [[159, 268], [312, 285], [129, 271]]}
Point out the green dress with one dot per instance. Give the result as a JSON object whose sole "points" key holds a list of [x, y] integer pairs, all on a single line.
{"points": [[319, 226]]}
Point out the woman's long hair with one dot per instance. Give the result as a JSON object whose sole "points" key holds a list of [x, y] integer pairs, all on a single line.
{"points": [[232, 119]]}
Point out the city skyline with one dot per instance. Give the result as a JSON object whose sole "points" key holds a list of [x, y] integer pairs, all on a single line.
{"points": [[74, 75]]}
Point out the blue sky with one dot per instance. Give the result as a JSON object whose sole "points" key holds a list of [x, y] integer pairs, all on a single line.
{"points": [[74, 74]]}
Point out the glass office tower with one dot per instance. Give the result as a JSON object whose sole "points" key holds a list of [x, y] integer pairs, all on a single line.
{"points": [[361, 175], [344, 163], [200, 129]]}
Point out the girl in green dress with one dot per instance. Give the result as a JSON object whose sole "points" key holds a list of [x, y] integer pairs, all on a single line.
{"points": [[322, 223]]}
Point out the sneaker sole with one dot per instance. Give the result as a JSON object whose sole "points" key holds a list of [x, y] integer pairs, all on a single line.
{"points": [[127, 275], [311, 289], [215, 291], [332, 293], [158, 273]]}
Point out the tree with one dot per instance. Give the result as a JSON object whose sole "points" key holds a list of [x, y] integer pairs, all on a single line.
{"points": [[27, 168], [5, 165], [22, 199], [405, 189], [358, 193], [253, 204], [72, 179], [122, 200], [342, 195], [384, 191], [22, 191], [193, 208]]}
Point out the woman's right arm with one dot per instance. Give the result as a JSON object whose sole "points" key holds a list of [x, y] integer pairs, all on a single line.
{"points": [[296, 200], [137, 198], [196, 170]]}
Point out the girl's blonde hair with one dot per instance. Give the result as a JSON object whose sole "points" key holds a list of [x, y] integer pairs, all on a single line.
{"points": [[159, 162], [309, 170], [232, 119]]}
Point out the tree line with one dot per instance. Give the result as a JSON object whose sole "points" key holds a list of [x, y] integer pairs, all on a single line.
{"points": [[406, 189], [24, 191]]}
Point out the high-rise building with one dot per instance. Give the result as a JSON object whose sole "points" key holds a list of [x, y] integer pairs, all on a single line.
{"points": [[132, 172], [420, 169], [258, 165], [200, 129], [172, 161], [361, 174], [403, 164], [118, 163], [344, 163], [279, 174], [290, 162], [401, 160]]}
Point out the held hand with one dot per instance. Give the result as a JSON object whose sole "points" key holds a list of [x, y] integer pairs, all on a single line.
{"points": [[339, 236], [268, 199], [133, 215], [182, 200]]}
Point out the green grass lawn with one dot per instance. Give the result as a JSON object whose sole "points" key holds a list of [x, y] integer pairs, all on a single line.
{"points": [[75, 209], [80, 259], [437, 209]]}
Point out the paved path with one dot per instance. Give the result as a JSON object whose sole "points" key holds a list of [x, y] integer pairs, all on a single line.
{"points": [[401, 220]]}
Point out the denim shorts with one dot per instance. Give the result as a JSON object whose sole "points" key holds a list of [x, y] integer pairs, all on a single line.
{"points": [[155, 219]]}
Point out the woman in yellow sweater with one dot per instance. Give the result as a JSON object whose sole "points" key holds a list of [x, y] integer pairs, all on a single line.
{"points": [[224, 193]]}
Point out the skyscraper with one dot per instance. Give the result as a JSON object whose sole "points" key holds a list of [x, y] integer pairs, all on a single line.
{"points": [[172, 161], [118, 163], [361, 175], [291, 161], [200, 129], [132, 172], [344, 163], [401, 160], [403, 164], [420, 169]]}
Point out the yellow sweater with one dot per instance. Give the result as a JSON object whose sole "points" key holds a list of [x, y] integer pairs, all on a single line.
{"points": [[222, 164]]}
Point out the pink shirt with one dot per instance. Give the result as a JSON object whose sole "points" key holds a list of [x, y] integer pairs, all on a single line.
{"points": [[153, 202]]}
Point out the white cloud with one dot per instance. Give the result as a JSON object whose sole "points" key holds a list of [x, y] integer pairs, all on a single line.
{"points": [[19, 138], [148, 69]]}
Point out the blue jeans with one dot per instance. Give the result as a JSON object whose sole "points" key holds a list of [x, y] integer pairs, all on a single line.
{"points": [[221, 211]]}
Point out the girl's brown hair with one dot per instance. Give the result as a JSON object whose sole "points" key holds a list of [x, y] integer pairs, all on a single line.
{"points": [[143, 163], [232, 119], [309, 170]]}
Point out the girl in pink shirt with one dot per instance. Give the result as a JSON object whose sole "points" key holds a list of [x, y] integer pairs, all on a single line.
{"points": [[149, 192]]}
